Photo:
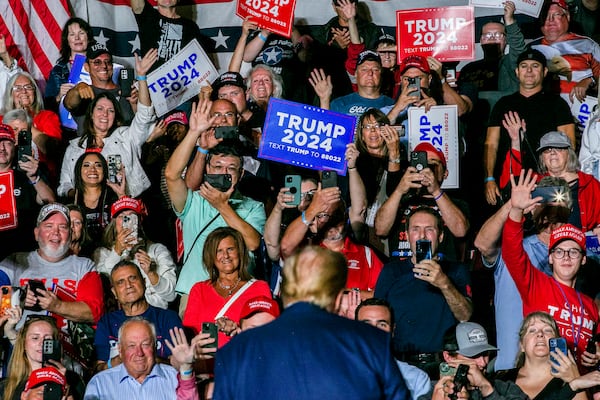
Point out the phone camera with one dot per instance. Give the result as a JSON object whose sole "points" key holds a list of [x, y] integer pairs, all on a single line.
{"points": [[4, 290]]}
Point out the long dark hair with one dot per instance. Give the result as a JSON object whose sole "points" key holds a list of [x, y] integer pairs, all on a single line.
{"points": [[88, 125], [65, 50], [79, 184]]}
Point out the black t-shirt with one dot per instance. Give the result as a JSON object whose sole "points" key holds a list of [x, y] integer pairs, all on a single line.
{"points": [[169, 35], [542, 113], [398, 238]]}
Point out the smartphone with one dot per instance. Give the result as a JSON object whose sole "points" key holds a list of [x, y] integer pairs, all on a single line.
{"points": [[131, 222], [227, 132], [423, 250], [35, 285], [549, 194], [51, 350], [415, 83], [6, 293], [328, 179], [447, 370], [126, 81], [24, 145], [461, 379], [114, 167], [591, 345], [220, 182], [557, 343], [418, 159], [211, 328], [451, 77], [293, 182]]}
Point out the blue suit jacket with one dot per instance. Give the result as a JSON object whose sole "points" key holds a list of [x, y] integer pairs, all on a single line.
{"points": [[308, 353]]}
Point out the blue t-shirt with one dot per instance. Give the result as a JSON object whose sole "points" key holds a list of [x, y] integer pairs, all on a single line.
{"points": [[421, 312], [356, 105], [107, 331]]}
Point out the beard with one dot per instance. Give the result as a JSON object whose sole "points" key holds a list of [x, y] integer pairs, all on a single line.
{"points": [[58, 252]]}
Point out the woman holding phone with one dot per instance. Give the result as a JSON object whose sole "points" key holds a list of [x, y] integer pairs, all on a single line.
{"points": [[27, 354], [544, 373], [94, 193], [124, 238]]}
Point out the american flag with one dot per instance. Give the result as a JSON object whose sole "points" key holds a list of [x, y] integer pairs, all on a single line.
{"points": [[32, 30]]}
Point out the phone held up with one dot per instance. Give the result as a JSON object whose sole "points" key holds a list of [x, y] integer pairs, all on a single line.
{"points": [[126, 81], [131, 222], [211, 328], [557, 343], [418, 159], [24, 145], [423, 250], [220, 182], [293, 182], [328, 179], [114, 167], [415, 83]]}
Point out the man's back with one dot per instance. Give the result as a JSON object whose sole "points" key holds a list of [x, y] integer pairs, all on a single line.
{"points": [[309, 353]]}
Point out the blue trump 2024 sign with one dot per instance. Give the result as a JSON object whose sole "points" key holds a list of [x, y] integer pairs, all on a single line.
{"points": [[306, 136]]}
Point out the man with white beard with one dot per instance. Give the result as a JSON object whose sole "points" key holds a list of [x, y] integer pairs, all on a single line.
{"points": [[73, 287]]}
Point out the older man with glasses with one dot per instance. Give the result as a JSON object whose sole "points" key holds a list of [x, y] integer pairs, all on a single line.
{"points": [[573, 58]]}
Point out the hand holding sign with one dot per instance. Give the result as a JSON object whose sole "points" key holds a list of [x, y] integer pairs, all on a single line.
{"points": [[509, 13]]}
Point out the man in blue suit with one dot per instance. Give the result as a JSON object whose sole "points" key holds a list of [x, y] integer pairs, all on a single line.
{"points": [[309, 352]]}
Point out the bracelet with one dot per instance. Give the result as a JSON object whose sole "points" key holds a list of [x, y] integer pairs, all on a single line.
{"points": [[201, 150], [187, 373], [489, 179], [304, 220], [140, 77], [262, 37], [351, 168], [109, 363], [439, 196], [395, 160], [37, 179]]}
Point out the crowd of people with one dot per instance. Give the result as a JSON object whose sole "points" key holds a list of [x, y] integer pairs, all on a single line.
{"points": [[162, 258]]}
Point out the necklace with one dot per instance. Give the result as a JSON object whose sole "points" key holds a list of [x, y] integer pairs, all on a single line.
{"points": [[229, 288]]}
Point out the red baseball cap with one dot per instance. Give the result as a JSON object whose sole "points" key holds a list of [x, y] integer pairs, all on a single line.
{"points": [[426, 146], [561, 3], [7, 133], [567, 232], [259, 304], [415, 61], [45, 375], [127, 203]]}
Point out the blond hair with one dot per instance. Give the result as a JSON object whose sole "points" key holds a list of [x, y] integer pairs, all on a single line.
{"points": [[315, 275]]}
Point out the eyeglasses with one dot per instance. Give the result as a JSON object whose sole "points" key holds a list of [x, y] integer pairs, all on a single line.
{"points": [[556, 15], [227, 115], [322, 216], [370, 127], [22, 88], [307, 195], [560, 253], [231, 170], [99, 63], [549, 150], [492, 35]]}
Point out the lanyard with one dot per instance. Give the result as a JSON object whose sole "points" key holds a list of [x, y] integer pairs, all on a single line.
{"points": [[575, 334]]}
